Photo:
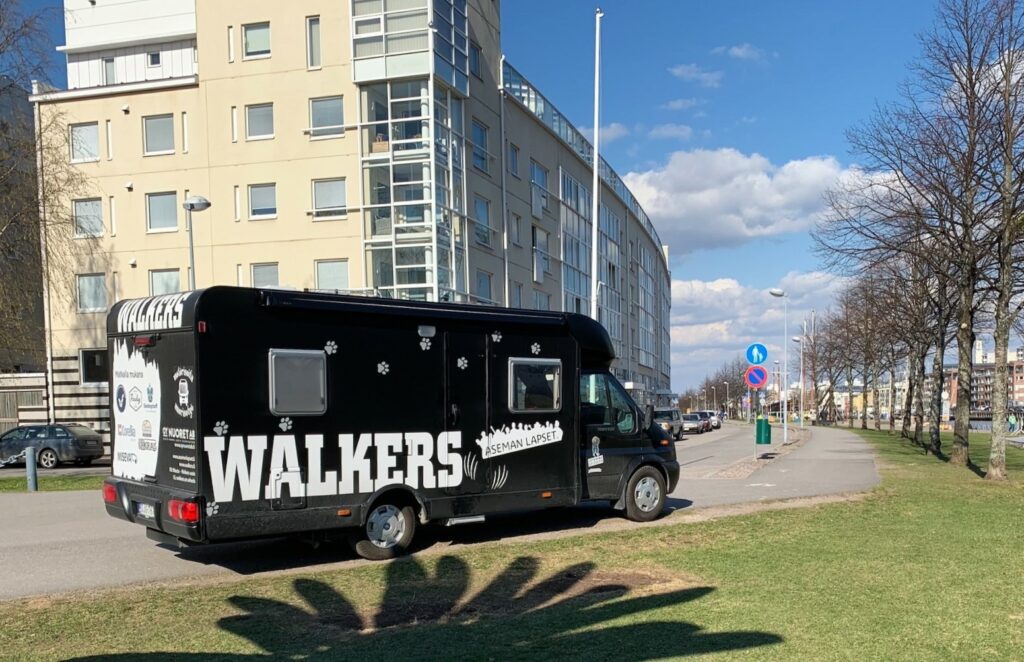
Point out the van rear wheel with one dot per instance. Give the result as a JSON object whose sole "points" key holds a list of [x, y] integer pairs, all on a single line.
{"points": [[645, 494], [387, 533]]}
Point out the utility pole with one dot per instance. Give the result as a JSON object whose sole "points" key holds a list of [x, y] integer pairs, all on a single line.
{"points": [[595, 204]]}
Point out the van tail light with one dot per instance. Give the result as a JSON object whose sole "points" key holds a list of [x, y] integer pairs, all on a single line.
{"points": [[109, 493], [186, 512]]}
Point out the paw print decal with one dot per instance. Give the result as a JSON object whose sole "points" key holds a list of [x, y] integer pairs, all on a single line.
{"points": [[220, 429], [383, 368], [424, 344], [331, 347], [212, 509], [285, 424], [462, 363], [496, 336], [535, 348]]}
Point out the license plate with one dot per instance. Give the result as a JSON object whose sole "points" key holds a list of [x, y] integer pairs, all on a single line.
{"points": [[145, 510]]}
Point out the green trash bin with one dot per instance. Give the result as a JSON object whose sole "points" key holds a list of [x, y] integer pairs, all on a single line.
{"points": [[763, 431]]}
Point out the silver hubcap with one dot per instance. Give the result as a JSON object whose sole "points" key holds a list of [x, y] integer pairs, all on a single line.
{"points": [[47, 459], [647, 494], [385, 526]]}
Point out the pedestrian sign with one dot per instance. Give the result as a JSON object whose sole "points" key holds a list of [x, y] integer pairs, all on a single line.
{"points": [[756, 376], [757, 353]]}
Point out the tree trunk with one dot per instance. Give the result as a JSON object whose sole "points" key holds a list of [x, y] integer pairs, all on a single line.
{"points": [[935, 406], [874, 398], [919, 402], [849, 397], [892, 400], [908, 402], [964, 372]]}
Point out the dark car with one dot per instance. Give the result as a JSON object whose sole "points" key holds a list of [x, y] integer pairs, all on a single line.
{"points": [[53, 443], [705, 418]]}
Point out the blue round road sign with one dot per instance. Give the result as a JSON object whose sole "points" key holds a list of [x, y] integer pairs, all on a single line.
{"points": [[756, 376], [757, 354]]}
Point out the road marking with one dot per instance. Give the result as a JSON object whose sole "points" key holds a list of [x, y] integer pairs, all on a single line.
{"points": [[760, 484]]}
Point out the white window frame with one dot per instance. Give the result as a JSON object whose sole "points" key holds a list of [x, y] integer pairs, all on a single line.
{"points": [[78, 293], [145, 135], [335, 212], [477, 224], [270, 43], [309, 44], [513, 160], [474, 146], [149, 59], [261, 217], [113, 64], [316, 271], [74, 214], [71, 142], [252, 272], [149, 227], [312, 130], [163, 271], [273, 122], [490, 285]]}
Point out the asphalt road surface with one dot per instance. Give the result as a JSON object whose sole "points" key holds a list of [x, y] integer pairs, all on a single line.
{"points": [[57, 542]]}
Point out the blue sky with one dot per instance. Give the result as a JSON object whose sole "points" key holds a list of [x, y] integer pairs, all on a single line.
{"points": [[728, 120]]}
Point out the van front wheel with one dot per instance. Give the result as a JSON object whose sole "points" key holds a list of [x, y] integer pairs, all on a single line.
{"points": [[645, 494], [388, 532]]}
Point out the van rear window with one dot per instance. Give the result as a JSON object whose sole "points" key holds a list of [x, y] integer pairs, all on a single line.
{"points": [[298, 382], [535, 385]]}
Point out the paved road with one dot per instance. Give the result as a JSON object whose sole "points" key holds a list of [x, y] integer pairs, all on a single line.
{"points": [[55, 542]]}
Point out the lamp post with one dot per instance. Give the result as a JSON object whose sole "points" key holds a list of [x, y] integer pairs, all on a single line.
{"points": [[800, 341], [714, 396], [776, 292], [704, 394], [726, 399], [194, 203]]}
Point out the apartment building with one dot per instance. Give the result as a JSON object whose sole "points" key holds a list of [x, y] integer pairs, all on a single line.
{"points": [[378, 147]]}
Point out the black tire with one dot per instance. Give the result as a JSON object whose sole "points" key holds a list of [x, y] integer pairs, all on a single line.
{"points": [[47, 458], [376, 539], [645, 494]]}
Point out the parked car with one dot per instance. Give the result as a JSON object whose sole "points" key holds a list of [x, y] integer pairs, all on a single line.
{"points": [[716, 422], [671, 421], [53, 443], [705, 418], [693, 423]]}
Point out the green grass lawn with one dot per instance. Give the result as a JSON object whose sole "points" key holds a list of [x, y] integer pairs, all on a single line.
{"points": [[928, 567], [51, 483]]}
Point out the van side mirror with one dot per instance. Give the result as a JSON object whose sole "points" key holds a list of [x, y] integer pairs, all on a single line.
{"points": [[648, 416]]}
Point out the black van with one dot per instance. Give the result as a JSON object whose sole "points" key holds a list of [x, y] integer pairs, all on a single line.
{"points": [[241, 413]]}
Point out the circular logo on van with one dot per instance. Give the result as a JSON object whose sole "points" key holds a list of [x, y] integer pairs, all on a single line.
{"points": [[122, 399]]}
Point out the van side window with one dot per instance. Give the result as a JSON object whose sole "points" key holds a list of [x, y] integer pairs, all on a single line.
{"points": [[298, 382], [534, 385]]}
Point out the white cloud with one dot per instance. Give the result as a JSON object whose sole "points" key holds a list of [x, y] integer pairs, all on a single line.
{"points": [[709, 198], [682, 104], [693, 72], [740, 51], [671, 132], [610, 133], [714, 321]]}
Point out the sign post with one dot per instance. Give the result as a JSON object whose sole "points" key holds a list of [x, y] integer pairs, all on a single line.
{"points": [[756, 378]]}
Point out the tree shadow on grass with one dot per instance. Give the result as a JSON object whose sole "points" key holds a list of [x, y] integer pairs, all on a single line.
{"points": [[571, 613]]}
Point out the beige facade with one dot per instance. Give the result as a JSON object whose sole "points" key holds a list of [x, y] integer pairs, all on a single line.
{"points": [[354, 148]]}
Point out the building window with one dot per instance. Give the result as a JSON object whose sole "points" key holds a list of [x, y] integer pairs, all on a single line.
{"points": [[539, 178], [88, 217], [262, 201], [92, 293], [474, 59], [479, 139], [517, 295], [516, 229], [164, 281], [312, 42], [158, 134], [326, 117], [259, 121], [256, 39], [153, 59], [483, 286], [109, 71], [298, 382], [329, 198], [513, 160], [92, 366], [161, 212], [482, 227], [85, 142], [541, 300], [332, 274], [264, 275], [541, 256]]}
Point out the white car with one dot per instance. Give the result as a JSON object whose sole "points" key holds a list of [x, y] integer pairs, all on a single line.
{"points": [[716, 422]]}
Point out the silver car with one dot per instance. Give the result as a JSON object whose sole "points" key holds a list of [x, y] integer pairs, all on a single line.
{"points": [[671, 421]]}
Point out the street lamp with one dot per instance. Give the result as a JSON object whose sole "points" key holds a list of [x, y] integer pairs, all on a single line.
{"points": [[704, 393], [194, 203], [800, 341], [714, 396], [779, 293], [726, 399]]}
